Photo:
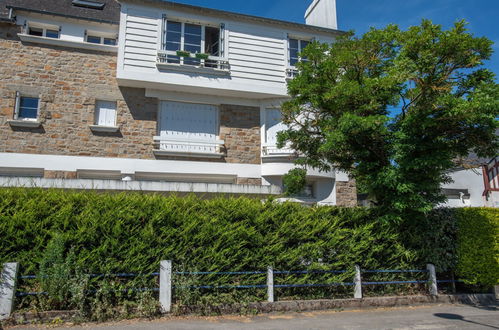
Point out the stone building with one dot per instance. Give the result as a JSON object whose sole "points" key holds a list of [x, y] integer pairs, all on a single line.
{"points": [[152, 95]]}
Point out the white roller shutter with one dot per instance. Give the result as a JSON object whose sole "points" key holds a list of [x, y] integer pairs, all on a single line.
{"points": [[182, 125]]}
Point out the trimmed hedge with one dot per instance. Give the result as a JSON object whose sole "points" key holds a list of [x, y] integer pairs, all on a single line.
{"points": [[132, 232], [478, 246]]}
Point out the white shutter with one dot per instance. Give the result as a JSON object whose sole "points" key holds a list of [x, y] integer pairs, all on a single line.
{"points": [[106, 113], [186, 122], [273, 124]]}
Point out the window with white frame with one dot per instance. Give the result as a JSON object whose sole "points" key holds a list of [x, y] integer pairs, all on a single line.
{"points": [[192, 39], [100, 38], [42, 30], [295, 47], [273, 125], [27, 107], [188, 127], [105, 113]]}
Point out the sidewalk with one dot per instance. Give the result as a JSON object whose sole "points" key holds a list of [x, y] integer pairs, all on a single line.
{"points": [[421, 317]]}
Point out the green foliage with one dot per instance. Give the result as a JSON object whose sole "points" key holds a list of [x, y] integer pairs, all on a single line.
{"points": [[478, 246], [294, 181], [66, 234], [339, 114]]}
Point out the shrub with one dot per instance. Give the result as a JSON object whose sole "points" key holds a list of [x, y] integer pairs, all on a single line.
{"points": [[478, 246]]}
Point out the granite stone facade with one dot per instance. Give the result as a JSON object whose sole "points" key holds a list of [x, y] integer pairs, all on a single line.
{"points": [[346, 193], [68, 83]]}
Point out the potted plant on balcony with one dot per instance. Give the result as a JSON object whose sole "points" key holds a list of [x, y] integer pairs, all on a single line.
{"points": [[183, 53], [202, 56]]}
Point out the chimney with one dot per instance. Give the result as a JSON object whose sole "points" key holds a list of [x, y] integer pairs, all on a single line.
{"points": [[322, 13]]}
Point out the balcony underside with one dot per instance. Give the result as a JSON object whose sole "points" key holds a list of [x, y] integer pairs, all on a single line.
{"points": [[180, 188]]}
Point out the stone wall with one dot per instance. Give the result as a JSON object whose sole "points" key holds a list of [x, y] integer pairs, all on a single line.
{"points": [[346, 193], [240, 129], [68, 83]]}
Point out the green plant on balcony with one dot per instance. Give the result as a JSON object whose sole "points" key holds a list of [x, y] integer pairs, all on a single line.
{"points": [[183, 53], [202, 56]]}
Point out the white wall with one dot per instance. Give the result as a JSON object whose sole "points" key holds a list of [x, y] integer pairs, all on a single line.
{"points": [[322, 13], [71, 30], [257, 54], [467, 179]]}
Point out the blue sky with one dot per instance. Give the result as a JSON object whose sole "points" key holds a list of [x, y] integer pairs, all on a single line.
{"points": [[359, 15]]}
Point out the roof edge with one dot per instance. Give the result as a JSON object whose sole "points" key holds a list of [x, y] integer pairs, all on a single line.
{"points": [[176, 5], [63, 15]]}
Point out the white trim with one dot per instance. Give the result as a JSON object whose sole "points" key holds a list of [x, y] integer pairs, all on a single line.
{"points": [[67, 43], [148, 186], [127, 165], [200, 98], [24, 123], [101, 128], [166, 153]]}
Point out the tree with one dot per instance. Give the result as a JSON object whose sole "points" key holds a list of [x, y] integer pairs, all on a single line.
{"points": [[344, 97]]}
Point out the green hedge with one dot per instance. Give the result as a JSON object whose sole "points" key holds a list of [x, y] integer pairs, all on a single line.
{"points": [[478, 246], [132, 232]]}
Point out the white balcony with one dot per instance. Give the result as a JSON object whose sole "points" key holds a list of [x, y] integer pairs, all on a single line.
{"points": [[271, 150], [199, 63], [291, 73], [188, 148]]}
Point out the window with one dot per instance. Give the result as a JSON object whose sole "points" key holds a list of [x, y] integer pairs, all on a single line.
{"points": [[192, 38], [26, 108], [188, 127], [96, 39], [105, 113], [296, 46], [48, 32], [273, 125]]}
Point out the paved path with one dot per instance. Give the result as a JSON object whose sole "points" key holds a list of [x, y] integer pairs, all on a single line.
{"points": [[421, 317]]}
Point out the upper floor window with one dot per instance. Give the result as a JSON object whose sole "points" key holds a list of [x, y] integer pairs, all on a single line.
{"points": [[43, 30], [184, 40], [99, 38], [26, 107], [296, 46]]}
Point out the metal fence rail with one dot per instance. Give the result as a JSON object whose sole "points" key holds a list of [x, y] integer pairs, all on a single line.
{"points": [[166, 284]]}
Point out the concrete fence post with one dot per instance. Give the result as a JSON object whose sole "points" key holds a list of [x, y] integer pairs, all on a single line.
{"points": [[432, 279], [358, 283], [270, 284], [8, 281], [165, 286]]}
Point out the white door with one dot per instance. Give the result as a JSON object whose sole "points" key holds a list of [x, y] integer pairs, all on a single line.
{"points": [[188, 127]]}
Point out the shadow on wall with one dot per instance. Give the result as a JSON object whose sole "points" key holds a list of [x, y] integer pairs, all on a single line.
{"points": [[140, 106]]}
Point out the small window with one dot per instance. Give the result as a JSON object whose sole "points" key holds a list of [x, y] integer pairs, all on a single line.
{"points": [[296, 46], [93, 39], [105, 113], [35, 32], [26, 108], [52, 34], [43, 32], [96, 39], [109, 41]]}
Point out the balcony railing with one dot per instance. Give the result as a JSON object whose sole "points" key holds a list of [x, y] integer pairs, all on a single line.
{"points": [[168, 146], [274, 151], [172, 60], [291, 72]]}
